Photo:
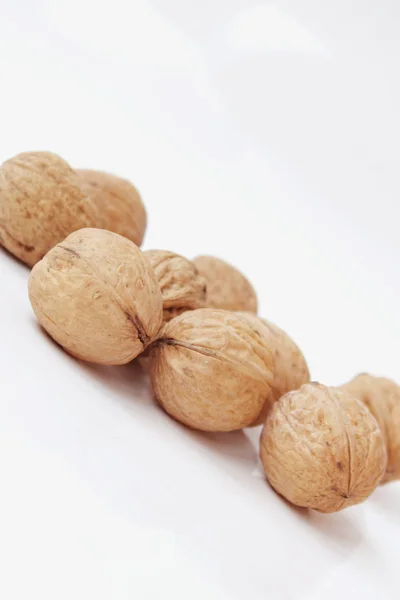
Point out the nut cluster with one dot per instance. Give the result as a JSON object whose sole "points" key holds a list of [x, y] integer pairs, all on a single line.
{"points": [[213, 363], [42, 200]]}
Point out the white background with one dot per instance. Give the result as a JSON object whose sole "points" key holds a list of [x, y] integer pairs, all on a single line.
{"points": [[267, 134]]}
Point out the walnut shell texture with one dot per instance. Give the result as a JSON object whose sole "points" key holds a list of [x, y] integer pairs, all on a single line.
{"points": [[290, 370], [119, 204], [322, 449], [97, 296], [182, 287], [41, 202], [227, 288], [210, 370], [382, 397]]}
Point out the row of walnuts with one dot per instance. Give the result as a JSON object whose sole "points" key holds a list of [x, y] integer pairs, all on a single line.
{"points": [[214, 365]]}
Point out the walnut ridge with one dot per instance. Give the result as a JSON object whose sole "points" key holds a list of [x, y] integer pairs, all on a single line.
{"points": [[182, 287], [227, 288], [97, 296], [382, 397], [210, 370], [118, 203], [322, 449]]}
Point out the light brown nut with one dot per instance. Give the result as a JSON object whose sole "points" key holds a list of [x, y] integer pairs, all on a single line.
{"points": [[41, 202], [290, 370], [97, 296], [182, 287], [119, 204], [322, 449], [227, 288], [210, 370], [382, 397]]}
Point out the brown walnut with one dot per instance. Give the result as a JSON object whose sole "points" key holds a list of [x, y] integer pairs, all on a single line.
{"points": [[182, 287], [227, 288], [322, 449], [41, 202], [210, 370], [97, 296], [118, 203]]}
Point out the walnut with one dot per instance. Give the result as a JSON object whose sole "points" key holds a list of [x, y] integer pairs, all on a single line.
{"points": [[97, 296], [119, 205], [210, 370], [182, 287], [41, 202], [322, 449], [290, 370], [227, 288], [382, 397]]}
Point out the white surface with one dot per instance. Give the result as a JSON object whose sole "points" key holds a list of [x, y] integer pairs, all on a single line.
{"points": [[266, 134]]}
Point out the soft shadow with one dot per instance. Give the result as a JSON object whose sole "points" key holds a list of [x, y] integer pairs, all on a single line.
{"points": [[386, 499], [12, 258], [125, 381], [337, 530], [234, 447]]}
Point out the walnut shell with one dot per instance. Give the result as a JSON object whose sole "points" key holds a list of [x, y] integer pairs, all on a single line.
{"points": [[182, 287], [97, 296], [322, 449], [227, 288], [382, 397], [210, 370], [119, 204], [41, 202], [290, 371]]}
